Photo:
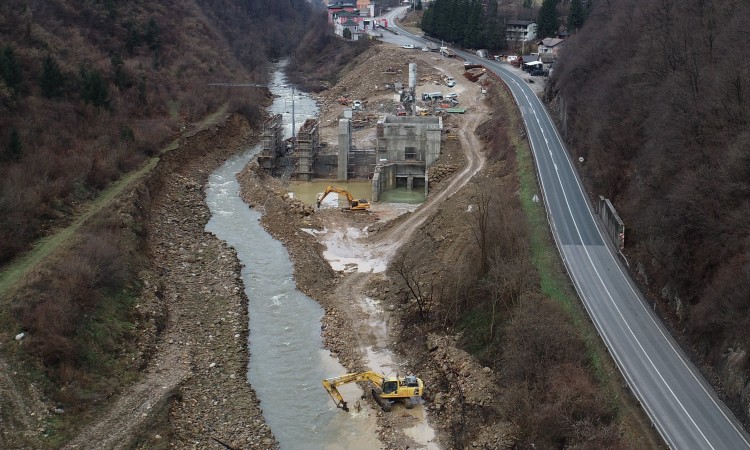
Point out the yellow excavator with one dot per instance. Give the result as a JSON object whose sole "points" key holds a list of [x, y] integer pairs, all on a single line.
{"points": [[408, 389], [354, 205]]}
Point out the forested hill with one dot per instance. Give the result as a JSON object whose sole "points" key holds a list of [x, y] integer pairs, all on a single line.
{"points": [[655, 96], [89, 89]]}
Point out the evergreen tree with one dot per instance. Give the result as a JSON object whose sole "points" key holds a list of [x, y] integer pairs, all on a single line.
{"points": [[347, 33], [10, 71], [13, 153], [419, 5], [52, 79], [120, 75], [472, 30], [494, 30], [94, 88], [548, 20], [457, 20], [152, 35], [576, 15]]}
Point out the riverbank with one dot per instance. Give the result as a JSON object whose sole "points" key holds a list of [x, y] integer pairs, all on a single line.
{"points": [[194, 391]]}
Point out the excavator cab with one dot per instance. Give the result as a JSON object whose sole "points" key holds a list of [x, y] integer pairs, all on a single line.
{"points": [[390, 387]]}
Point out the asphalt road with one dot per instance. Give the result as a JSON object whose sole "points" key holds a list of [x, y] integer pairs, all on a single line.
{"points": [[682, 406]]}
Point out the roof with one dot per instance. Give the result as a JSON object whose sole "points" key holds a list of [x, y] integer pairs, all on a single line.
{"points": [[342, 5], [350, 23], [533, 63], [550, 42], [520, 22], [528, 58]]}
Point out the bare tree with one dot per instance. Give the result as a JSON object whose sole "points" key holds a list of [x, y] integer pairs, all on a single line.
{"points": [[425, 293], [479, 223]]}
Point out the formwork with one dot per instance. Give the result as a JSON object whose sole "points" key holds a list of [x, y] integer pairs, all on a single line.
{"points": [[306, 149], [272, 143]]}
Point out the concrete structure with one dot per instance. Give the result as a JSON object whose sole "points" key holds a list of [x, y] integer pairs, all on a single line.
{"points": [[406, 147], [306, 149], [612, 222], [272, 143], [409, 139], [345, 144]]}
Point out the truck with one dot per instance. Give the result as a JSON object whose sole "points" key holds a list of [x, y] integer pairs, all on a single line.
{"points": [[448, 53], [385, 390], [427, 96]]}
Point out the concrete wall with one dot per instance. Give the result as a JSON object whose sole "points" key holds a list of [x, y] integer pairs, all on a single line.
{"points": [[383, 179], [396, 134], [325, 166], [612, 223]]}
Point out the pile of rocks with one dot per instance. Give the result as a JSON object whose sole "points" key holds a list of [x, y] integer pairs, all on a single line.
{"points": [[441, 171]]}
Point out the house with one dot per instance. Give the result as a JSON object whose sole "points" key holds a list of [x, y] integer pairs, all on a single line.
{"points": [[335, 9], [520, 30], [551, 46], [352, 25]]}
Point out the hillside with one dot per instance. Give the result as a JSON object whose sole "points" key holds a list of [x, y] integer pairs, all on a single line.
{"points": [[90, 94], [655, 99], [89, 90]]}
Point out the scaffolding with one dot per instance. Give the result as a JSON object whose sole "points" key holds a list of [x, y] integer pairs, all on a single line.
{"points": [[306, 149], [272, 143]]}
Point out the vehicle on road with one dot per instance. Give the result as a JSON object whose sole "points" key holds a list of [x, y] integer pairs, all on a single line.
{"points": [[409, 46], [448, 53], [385, 390]]}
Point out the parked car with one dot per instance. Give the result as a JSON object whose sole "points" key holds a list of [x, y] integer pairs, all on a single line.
{"points": [[409, 46], [450, 83], [357, 104], [425, 49], [451, 95], [537, 73]]}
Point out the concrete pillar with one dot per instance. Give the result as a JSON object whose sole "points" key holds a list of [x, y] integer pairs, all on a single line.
{"points": [[345, 143], [409, 182]]}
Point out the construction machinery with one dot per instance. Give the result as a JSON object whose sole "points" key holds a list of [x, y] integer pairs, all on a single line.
{"points": [[354, 205], [385, 390]]}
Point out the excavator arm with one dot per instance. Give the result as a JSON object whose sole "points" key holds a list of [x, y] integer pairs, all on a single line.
{"points": [[331, 384]]}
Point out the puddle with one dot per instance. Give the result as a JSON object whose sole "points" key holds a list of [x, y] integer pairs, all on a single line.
{"points": [[346, 252], [422, 433]]}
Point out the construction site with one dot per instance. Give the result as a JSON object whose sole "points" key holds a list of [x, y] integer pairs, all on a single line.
{"points": [[387, 128]]}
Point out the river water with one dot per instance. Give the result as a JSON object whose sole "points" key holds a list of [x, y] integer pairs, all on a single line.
{"points": [[287, 359]]}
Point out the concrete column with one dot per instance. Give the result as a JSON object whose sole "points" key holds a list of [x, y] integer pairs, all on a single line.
{"points": [[345, 143], [409, 183]]}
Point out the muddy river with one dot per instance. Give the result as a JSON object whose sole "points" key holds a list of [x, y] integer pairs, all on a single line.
{"points": [[287, 358]]}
